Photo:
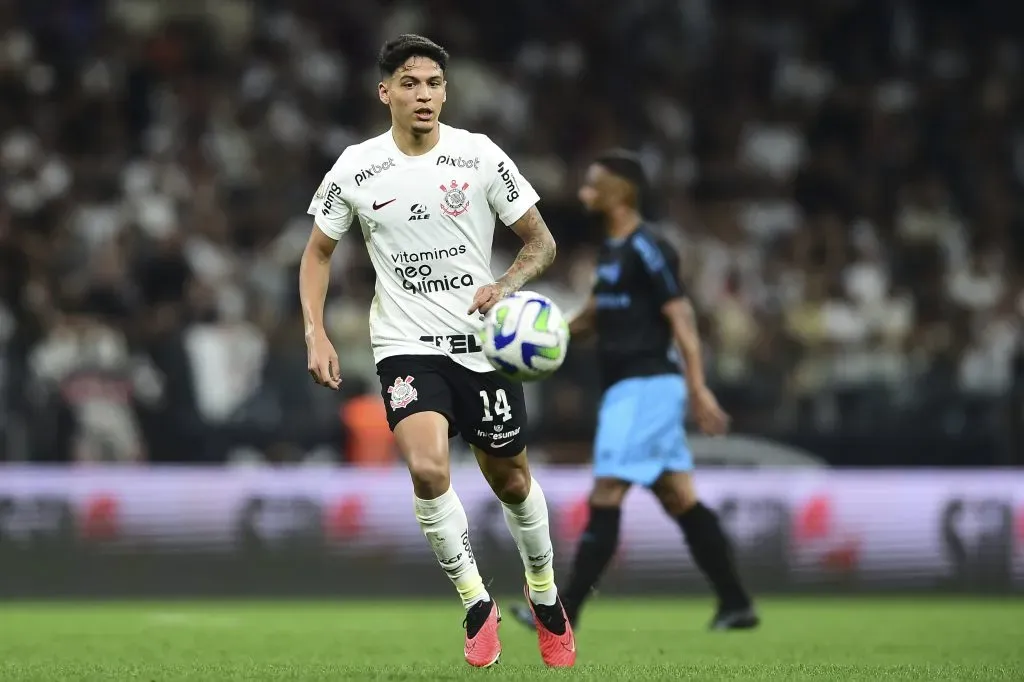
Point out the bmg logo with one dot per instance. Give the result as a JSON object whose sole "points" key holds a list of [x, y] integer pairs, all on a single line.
{"points": [[511, 187], [333, 194]]}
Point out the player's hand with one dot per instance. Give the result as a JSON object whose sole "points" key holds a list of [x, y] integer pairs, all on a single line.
{"points": [[322, 361], [711, 418], [487, 297]]}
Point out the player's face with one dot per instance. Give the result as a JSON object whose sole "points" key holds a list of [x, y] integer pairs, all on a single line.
{"points": [[415, 93], [599, 190]]}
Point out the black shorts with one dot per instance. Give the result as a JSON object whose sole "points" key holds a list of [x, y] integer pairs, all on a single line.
{"points": [[488, 409]]}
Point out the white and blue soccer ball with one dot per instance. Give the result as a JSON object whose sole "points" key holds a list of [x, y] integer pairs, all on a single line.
{"points": [[525, 336]]}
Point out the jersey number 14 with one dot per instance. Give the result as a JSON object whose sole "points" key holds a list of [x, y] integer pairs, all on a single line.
{"points": [[501, 406]]}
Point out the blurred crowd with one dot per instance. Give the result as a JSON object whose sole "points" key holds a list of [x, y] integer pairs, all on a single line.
{"points": [[842, 178]]}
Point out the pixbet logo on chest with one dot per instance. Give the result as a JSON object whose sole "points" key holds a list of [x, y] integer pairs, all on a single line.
{"points": [[374, 169], [458, 162]]}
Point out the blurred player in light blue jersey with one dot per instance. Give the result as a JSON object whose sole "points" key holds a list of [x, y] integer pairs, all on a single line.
{"points": [[644, 323]]}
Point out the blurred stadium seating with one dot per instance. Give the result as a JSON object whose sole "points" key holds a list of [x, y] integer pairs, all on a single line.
{"points": [[843, 179]]}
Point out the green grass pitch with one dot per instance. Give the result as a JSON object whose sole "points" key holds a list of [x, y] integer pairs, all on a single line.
{"points": [[801, 639]]}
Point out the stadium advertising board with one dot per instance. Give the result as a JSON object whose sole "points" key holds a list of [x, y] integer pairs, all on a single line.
{"points": [[812, 529]]}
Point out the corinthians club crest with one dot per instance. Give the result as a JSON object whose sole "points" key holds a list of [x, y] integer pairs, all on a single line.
{"points": [[455, 201], [402, 393]]}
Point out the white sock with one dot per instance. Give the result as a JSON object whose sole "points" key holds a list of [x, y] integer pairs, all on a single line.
{"points": [[444, 524], [528, 523]]}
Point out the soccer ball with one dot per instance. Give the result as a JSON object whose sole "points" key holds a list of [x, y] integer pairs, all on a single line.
{"points": [[525, 336]]}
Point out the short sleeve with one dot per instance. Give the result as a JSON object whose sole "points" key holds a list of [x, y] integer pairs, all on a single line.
{"points": [[508, 192], [332, 213], [661, 263]]}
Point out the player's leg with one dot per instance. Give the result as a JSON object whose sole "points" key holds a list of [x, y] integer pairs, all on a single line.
{"points": [[526, 515], [709, 547], [491, 413], [419, 412], [702, 531], [622, 458], [597, 545], [423, 441]]}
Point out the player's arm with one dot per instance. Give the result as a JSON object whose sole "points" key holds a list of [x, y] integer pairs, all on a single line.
{"points": [[332, 218], [683, 322], [584, 322], [537, 254], [514, 201], [314, 278], [661, 264]]}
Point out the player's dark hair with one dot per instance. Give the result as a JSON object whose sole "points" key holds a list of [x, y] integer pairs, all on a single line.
{"points": [[626, 165], [398, 50]]}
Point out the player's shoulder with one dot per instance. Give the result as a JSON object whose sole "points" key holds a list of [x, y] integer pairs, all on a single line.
{"points": [[651, 246], [371, 145], [480, 142], [375, 153]]}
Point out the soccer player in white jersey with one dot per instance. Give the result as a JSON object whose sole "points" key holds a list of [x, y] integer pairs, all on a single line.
{"points": [[426, 196]]}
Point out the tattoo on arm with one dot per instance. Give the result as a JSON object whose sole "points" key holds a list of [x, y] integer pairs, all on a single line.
{"points": [[537, 254]]}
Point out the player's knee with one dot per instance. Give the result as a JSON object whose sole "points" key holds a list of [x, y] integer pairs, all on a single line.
{"points": [[508, 477], [510, 485], [608, 493], [676, 493], [429, 472], [675, 505]]}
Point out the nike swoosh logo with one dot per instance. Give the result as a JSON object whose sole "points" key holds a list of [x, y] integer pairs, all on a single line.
{"points": [[377, 207], [500, 445]]}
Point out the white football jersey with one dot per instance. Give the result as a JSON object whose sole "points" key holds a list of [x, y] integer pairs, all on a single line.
{"points": [[428, 223]]}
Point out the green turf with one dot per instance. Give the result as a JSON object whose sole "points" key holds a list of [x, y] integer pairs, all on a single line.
{"points": [[801, 639]]}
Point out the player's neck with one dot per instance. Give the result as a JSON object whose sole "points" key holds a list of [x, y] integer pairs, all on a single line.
{"points": [[619, 224], [413, 144]]}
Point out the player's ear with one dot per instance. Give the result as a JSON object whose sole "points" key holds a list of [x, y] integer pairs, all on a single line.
{"points": [[382, 92]]}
